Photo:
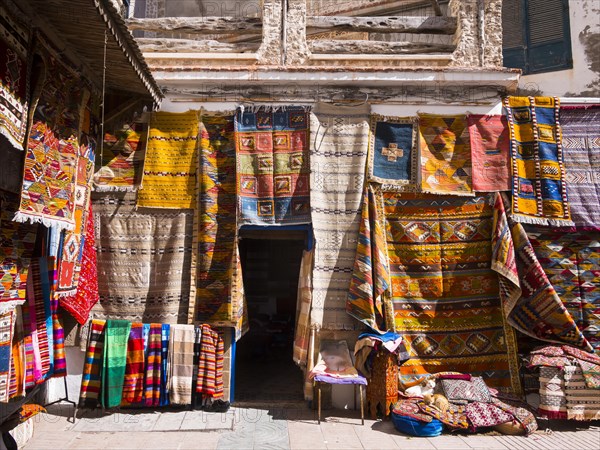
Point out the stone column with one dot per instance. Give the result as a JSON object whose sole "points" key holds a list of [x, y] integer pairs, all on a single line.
{"points": [[296, 49], [270, 51]]}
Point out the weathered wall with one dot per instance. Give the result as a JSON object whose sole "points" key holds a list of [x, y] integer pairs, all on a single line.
{"points": [[583, 80]]}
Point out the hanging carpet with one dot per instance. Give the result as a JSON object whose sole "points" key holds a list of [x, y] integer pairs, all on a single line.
{"points": [[116, 335], [133, 383], [91, 378], [181, 362]]}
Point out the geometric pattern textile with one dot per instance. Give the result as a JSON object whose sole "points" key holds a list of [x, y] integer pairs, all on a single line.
{"points": [[80, 304], [464, 391], [92, 368], [210, 364], [144, 260], [272, 166], [339, 138], [393, 152], [58, 333], [7, 322], [538, 188], [553, 401], [445, 155], [490, 150], [122, 160], [583, 403], [581, 144], [530, 302], [445, 294], [486, 415], [16, 247], [48, 190], [571, 261], [14, 105], [215, 227], [169, 176]]}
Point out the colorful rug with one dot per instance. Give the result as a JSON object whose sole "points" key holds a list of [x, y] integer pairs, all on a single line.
{"points": [[17, 361], [583, 403], [143, 259], [80, 304], [393, 152], [91, 383], [30, 323], [14, 83], [169, 177], [153, 366], [581, 142], [16, 247], [48, 191], [41, 314], [529, 300], [69, 263], [114, 361], [538, 188], [339, 139], [368, 299], [133, 383], [553, 401], [7, 322], [122, 159], [164, 366], [216, 223], [272, 167], [571, 261], [181, 364], [490, 152], [443, 288], [445, 155], [60, 356], [209, 383]]}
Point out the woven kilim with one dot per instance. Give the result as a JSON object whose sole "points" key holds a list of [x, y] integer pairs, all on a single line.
{"points": [[122, 160], [210, 364], [133, 383], [581, 144], [538, 187], [80, 304], [367, 301], [181, 364], [48, 191], [144, 260], [216, 223], [444, 291], [553, 402], [41, 314], [302, 331], [169, 177], [153, 366], [114, 361], [571, 261], [7, 320], [69, 264], [164, 366], [272, 166], [530, 302], [60, 357], [17, 361], [14, 105], [30, 323], [393, 152], [583, 403], [16, 247], [490, 152], [92, 368], [339, 139], [445, 155]]}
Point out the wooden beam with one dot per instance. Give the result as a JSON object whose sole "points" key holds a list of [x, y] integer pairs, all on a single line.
{"points": [[377, 47], [198, 25], [385, 24], [436, 7], [189, 45]]}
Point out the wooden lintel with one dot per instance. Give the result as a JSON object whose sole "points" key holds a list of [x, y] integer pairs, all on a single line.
{"points": [[385, 24], [198, 25], [189, 45], [377, 47]]}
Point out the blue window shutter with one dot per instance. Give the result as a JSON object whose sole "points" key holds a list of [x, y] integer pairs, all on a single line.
{"points": [[514, 34]]}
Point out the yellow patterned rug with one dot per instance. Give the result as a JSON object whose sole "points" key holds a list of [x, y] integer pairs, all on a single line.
{"points": [[169, 178]]}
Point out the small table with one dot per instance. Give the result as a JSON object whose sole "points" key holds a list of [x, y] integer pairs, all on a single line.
{"points": [[357, 380]]}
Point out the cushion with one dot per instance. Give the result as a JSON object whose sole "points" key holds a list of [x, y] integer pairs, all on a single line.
{"points": [[415, 427], [464, 391]]}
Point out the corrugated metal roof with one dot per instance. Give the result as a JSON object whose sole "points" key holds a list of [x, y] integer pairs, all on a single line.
{"points": [[81, 24]]}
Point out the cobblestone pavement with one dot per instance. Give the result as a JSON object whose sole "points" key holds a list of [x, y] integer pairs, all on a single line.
{"points": [[275, 428]]}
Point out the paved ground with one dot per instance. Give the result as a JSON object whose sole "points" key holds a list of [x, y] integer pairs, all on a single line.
{"points": [[275, 428]]}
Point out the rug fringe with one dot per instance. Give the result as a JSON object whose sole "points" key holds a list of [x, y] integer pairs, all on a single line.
{"points": [[10, 305], [11, 139], [459, 194], [63, 294], [23, 217], [541, 221], [109, 188]]}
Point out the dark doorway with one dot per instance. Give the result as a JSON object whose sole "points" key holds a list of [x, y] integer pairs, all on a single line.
{"points": [[265, 371]]}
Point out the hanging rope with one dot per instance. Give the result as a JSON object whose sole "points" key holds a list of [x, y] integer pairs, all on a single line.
{"points": [[103, 99]]}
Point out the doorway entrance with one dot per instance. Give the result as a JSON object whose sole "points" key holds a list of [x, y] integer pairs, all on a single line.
{"points": [[264, 369]]}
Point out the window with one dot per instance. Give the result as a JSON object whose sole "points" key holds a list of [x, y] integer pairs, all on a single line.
{"points": [[536, 35]]}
